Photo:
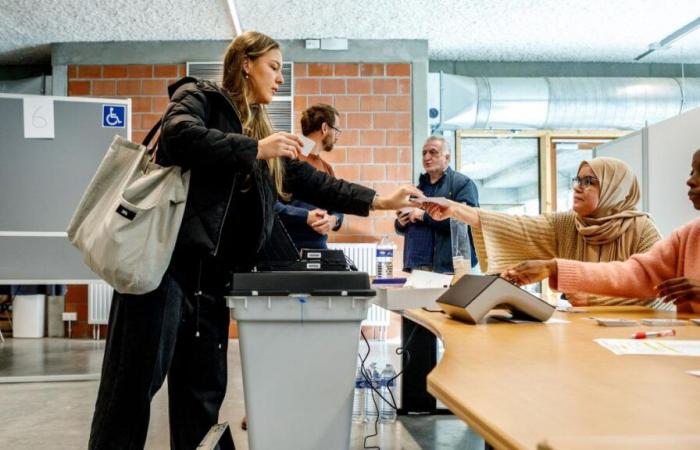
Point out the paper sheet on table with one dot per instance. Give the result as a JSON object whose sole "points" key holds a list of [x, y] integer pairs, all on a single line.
{"points": [[550, 321], [424, 279], [651, 347]]}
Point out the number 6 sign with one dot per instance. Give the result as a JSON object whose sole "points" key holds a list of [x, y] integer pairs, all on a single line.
{"points": [[38, 117]]}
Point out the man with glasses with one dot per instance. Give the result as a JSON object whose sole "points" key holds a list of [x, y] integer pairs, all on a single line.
{"points": [[308, 226], [428, 242]]}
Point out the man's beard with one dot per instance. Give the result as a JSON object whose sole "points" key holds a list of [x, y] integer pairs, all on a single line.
{"points": [[327, 143]]}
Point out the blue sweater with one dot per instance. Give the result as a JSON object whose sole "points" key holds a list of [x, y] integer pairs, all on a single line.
{"points": [[454, 186]]}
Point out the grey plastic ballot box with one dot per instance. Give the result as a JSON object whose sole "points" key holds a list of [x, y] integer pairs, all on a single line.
{"points": [[473, 296], [299, 338]]}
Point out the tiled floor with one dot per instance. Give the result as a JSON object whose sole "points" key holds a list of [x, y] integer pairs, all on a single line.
{"points": [[56, 414]]}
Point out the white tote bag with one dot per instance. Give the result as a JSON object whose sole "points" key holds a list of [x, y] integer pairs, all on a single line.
{"points": [[128, 219]]}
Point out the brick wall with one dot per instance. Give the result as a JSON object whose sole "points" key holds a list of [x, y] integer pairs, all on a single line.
{"points": [[374, 101]]}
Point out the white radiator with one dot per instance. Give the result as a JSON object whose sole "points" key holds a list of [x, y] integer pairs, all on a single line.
{"points": [[99, 302], [365, 258]]}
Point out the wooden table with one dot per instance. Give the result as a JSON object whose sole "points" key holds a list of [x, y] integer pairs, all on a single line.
{"points": [[524, 385]]}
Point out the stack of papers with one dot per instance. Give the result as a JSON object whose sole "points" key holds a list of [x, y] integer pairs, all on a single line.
{"points": [[651, 347]]}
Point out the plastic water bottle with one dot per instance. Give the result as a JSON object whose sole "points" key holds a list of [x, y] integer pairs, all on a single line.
{"points": [[385, 258], [371, 397], [386, 412], [358, 401]]}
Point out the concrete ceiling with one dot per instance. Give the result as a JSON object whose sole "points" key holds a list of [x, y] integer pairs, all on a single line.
{"points": [[471, 30]]}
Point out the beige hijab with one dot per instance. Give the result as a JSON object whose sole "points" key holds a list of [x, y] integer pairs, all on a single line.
{"points": [[612, 231]]}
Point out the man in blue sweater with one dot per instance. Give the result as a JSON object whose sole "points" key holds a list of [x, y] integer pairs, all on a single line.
{"points": [[427, 242]]}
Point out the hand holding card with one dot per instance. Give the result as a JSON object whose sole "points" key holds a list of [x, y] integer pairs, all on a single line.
{"points": [[309, 145]]}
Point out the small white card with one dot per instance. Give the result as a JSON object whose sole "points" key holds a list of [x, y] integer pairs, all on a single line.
{"points": [[308, 145], [38, 117], [424, 279]]}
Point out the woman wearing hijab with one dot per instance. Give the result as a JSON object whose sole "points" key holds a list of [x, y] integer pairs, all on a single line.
{"points": [[671, 269], [604, 225]]}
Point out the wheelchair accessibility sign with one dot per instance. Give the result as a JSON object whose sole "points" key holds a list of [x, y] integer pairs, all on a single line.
{"points": [[113, 116]]}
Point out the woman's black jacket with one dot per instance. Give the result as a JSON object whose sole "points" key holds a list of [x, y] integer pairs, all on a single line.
{"points": [[202, 132]]}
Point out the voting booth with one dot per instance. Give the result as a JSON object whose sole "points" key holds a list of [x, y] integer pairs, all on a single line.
{"points": [[298, 336]]}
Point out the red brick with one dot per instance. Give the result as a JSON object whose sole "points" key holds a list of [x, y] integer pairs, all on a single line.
{"points": [[299, 103], [372, 137], [332, 86], [359, 86], [78, 88], [386, 155], [154, 87], [386, 120], [359, 225], [72, 72], [102, 88], [404, 121], [371, 70], [320, 70], [181, 70], [384, 226], [165, 70], [398, 103], [300, 70], [372, 103], [137, 121], [138, 135], [399, 172], [404, 86], [398, 70], [335, 156], [139, 71], [347, 103], [89, 71], [307, 86], [141, 104], [349, 137], [347, 70], [347, 172], [159, 104], [314, 99], [342, 123], [149, 119], [405, 155], [385, 188], [385, 86], [372, 172], [398, 138], [362, 155], [114, 71], [359, 120], [128, 87]]}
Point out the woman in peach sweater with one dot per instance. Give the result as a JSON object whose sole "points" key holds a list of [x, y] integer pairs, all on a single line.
{"points": [[670, 269]]}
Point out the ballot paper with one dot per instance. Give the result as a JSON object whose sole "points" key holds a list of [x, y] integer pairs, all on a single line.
{"points": [[664, 347], [424, 279], [308, 145]]}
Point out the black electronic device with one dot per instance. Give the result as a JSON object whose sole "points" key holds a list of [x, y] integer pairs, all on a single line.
{"points": [[473, 296], [321, 283]]}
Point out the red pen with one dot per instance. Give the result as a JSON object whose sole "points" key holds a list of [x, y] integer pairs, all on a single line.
{"points": [[648, 334]]}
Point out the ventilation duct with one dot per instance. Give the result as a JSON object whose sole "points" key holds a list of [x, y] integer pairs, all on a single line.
{"points": [[558, 103]]}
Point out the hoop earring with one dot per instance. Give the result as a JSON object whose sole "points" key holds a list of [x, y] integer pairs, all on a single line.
{"points": [[245, 75]]}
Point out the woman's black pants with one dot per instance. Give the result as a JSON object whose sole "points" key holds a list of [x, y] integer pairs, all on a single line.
{"points": [[166, 332]]}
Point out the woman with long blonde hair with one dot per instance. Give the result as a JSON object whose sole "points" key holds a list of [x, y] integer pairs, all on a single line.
{"points": [[239, 167]]}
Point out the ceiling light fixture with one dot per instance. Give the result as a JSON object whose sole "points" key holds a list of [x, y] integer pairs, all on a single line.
{"points": [[668, 40], [233, 12]]}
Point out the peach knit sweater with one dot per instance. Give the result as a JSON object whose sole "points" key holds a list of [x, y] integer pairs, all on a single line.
{"points": [[676, 256]]}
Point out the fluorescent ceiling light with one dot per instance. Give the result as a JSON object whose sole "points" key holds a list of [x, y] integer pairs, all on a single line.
{"points": [[668, 40]]}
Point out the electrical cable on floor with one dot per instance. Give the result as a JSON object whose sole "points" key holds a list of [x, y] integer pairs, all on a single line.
{"points": [[368, 381]]}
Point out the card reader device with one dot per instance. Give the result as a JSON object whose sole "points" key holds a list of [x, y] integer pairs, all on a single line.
{"points": [[473, 296]]}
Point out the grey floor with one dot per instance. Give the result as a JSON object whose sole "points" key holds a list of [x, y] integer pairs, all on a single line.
{"points": [[43, 412]]}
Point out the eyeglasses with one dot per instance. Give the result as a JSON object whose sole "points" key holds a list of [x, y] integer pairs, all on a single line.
{"points": [[338, 131], [584, 182]]}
